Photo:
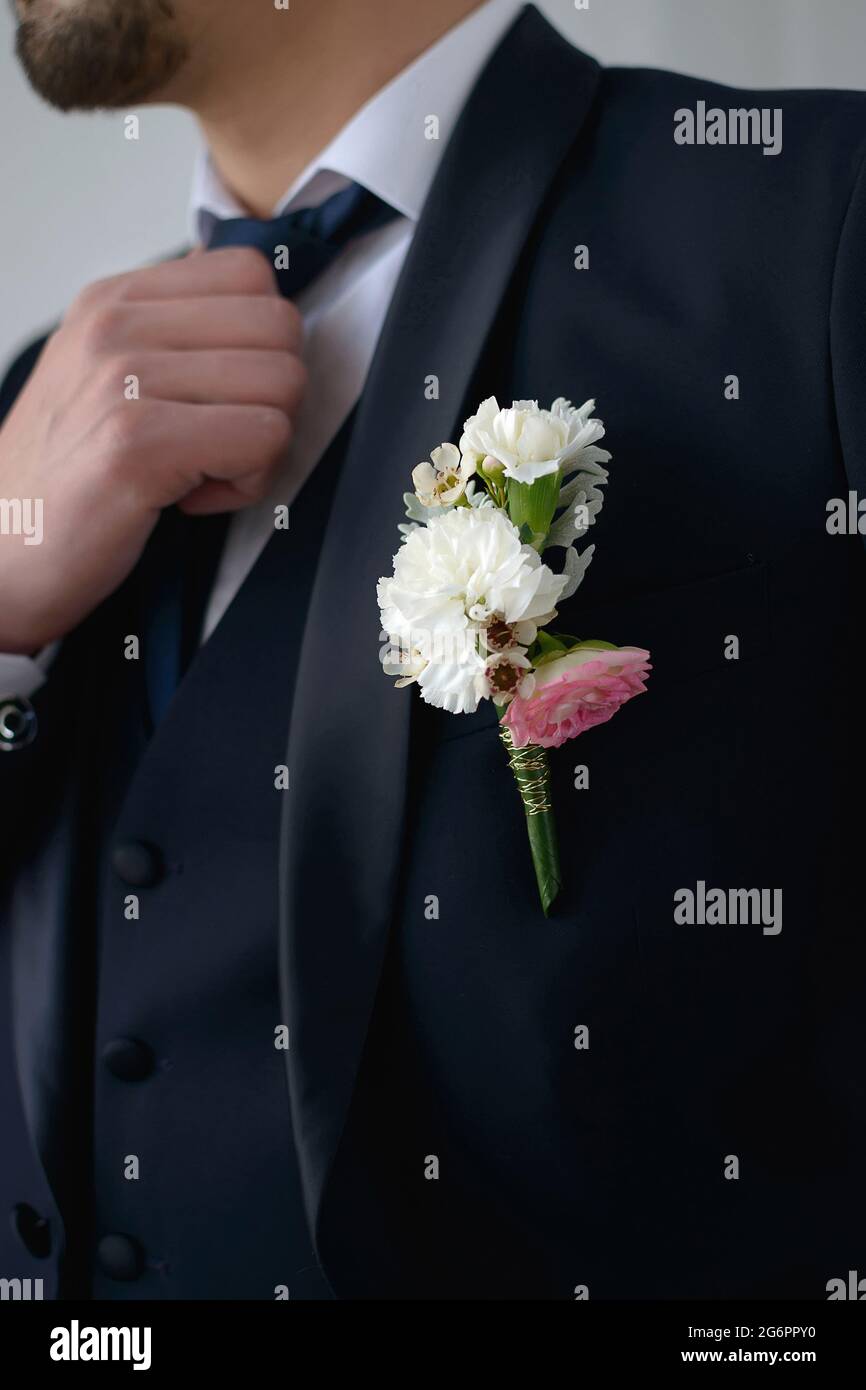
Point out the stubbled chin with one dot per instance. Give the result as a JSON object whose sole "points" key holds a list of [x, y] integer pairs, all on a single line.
{"points": [[100, 54]]}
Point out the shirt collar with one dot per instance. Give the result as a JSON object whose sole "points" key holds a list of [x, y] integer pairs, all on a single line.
{"points": [[373, 149]]}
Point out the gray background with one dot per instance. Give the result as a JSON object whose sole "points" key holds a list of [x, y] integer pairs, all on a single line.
{"points": [[80, 201]]}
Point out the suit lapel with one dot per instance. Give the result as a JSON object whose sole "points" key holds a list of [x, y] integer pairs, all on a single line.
{"points": [[343, 814]]}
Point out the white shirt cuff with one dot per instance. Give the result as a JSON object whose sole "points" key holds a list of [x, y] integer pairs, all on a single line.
{"points": [[23, 675]]}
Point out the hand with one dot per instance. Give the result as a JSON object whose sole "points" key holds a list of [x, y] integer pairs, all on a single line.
{"points": [[215, 351]]}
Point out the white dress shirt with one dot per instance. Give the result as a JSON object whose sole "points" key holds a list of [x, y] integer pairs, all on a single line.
{"points": [[386, 147]]}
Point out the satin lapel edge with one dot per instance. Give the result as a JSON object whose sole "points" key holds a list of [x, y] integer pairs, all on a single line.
{"points": [[334, 927]]}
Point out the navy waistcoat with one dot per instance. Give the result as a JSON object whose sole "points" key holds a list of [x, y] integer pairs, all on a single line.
{"points": [[188, 1047]]}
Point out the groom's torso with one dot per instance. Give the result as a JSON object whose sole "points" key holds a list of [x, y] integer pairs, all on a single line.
{"points": [[463, 1144]]}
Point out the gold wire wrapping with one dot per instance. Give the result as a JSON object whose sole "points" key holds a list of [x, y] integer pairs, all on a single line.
{"points": [[531, 773]]}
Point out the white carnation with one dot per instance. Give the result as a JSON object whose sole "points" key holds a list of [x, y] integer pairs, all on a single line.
{"points": [[530, 442], [466, 569]]}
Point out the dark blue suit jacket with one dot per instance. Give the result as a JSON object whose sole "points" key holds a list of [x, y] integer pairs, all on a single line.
{"points": [[609, 1166]]}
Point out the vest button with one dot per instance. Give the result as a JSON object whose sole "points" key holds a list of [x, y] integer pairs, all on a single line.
{"points": [[128, 1059], [138, 863], [18, 724], [120, 1257], [32, 1230]]}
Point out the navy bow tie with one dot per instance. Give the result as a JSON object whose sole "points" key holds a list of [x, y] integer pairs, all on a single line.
{"points": [[301, 245]]}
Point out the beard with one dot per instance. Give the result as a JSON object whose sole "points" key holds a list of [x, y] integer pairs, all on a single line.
{"points": [[96, 54]]}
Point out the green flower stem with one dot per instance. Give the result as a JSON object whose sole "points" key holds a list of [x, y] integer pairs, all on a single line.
{"points": [[532, 774]]}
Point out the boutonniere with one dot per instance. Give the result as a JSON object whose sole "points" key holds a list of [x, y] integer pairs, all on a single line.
{"points": [[467, 611]]}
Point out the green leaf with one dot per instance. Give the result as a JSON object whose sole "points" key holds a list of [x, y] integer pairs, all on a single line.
{"points": [[545, 858], [547, 647], [574, 644], [534, 503], [550, 646]]}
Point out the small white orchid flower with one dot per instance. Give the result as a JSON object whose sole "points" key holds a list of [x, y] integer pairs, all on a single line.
{"points": [[499, 636], [405, 662], [442, 482], [509, 673]]}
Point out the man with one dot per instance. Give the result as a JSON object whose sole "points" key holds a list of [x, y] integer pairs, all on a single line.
{"points": [[639, 1098]]}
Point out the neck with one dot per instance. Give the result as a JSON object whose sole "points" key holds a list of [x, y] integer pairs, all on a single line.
{"points": [[271, 87]]}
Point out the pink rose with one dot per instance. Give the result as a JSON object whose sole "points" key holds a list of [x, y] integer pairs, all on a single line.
{"points": [[574, 692]]}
